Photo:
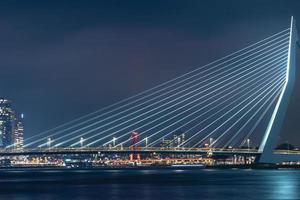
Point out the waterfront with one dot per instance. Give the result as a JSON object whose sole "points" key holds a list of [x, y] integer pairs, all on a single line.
{"points": [[149, 184]]}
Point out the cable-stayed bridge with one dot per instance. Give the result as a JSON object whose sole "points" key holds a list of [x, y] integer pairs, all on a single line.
{"points": [[233, 105]]}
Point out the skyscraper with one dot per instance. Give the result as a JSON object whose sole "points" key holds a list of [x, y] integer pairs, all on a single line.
{"points": [[7, 123], [19, 133]]}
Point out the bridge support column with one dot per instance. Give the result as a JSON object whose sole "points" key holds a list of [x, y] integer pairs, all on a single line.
{"points": [[271, 135]]}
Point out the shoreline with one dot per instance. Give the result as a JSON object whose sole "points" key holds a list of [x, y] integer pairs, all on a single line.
{"points": [[133, 168]]}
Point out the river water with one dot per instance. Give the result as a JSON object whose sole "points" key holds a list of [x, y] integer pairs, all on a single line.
{"points": [[149, 184]]}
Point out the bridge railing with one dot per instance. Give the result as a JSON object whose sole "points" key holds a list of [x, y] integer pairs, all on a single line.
{"points": [[127, 149], [141, 149]]}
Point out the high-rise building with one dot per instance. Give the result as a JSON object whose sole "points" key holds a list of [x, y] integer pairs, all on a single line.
{"points": [[19, 133], [7, 123], [11, 127]]}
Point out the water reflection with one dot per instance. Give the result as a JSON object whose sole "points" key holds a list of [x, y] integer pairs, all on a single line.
{"points": [[151, 184], [284, 185]]}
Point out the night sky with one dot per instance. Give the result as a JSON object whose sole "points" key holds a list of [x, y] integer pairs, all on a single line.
{"points": [[62, 59]]}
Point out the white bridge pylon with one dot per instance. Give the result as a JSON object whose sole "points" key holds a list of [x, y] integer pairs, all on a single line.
{"points": [[271, 135]]}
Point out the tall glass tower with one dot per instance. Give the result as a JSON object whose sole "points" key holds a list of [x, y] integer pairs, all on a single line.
{"points": [[7, 123]]}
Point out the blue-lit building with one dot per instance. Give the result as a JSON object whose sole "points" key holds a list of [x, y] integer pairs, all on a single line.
{"points": [[7, 123]]}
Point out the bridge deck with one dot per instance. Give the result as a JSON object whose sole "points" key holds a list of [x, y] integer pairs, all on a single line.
{"points": [[201, 151]]}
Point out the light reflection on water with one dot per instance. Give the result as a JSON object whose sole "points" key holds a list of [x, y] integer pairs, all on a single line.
{"points": [[285, 186], [150, 184]]}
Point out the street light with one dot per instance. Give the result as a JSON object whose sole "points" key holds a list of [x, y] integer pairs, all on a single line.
{"points": [[49, 142], [248, 144], [114, 141], [146, 141], [211, 141], [178, 142], [81, 141]]}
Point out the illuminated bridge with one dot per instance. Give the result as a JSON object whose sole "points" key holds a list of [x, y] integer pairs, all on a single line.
{"points": [[233, 105]]}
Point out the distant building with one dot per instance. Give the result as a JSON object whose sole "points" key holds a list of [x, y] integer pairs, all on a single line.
{"points": [[11, 127], [178, 138], [19, 133], [166, 143], [7, 123]]}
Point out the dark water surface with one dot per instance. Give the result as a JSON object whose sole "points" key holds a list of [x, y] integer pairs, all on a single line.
{"points": [[149, 184]]}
